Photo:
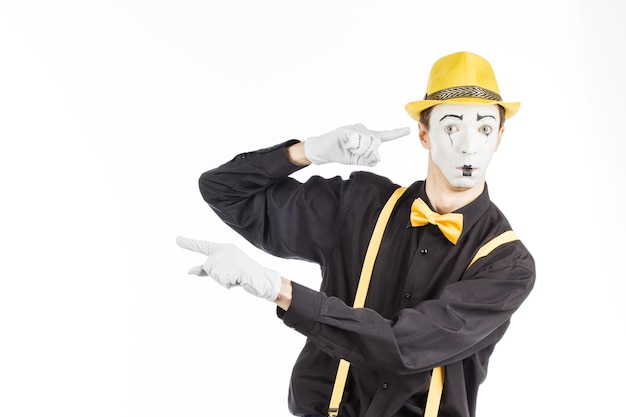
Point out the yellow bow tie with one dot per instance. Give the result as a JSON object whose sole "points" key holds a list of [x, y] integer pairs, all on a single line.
{"points": [[450, 224]]}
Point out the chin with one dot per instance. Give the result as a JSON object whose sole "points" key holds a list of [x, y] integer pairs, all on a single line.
{"points": [[464, 183]]}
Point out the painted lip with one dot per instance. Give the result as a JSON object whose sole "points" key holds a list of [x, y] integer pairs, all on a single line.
{"points": [[467, 170]]}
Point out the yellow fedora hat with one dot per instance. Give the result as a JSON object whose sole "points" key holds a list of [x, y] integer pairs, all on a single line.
{"points": [[461, 78]]}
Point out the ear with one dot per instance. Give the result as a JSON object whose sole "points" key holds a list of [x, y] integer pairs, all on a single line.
{"points": [[500, 133], [423, 135]]}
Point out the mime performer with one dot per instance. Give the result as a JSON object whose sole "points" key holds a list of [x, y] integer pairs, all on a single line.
{"points": [[430, 303]]}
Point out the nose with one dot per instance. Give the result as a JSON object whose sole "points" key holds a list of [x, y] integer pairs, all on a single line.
{"points": [[468, 144]]}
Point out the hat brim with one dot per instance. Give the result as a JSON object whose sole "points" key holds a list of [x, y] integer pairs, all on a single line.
{"points": [[415, 108]]}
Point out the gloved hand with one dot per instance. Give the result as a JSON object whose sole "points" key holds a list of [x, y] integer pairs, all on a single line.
{"points": [[350, 145], [230, 267]]}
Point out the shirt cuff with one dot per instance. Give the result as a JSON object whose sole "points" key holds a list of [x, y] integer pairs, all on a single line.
{"points": [[304, 309], [275, 158]]}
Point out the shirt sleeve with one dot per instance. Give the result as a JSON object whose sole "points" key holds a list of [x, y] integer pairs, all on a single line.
{"points": [[467, 316], [255, 196]]}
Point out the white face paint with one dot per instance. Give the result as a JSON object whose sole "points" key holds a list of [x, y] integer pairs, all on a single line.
{"points": [[462, 140]]}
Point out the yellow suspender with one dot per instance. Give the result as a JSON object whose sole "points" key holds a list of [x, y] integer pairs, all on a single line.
{"points": [[361, 292], [486, 249], [436, 381]]}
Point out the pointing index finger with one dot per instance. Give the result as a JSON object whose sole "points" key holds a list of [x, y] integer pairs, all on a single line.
{"points": [[199, 246], [387, 135]]}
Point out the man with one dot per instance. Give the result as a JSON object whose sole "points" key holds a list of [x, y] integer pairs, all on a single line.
{"points": [[426, 306]]}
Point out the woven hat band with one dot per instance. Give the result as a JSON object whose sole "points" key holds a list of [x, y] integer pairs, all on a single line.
{"points": [[467, 91]]}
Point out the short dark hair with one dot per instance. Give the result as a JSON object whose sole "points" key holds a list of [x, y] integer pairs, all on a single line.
{"points": [[425, 116]]}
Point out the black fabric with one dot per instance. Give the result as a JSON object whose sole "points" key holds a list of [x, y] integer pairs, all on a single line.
{"points": [[423, 309]]}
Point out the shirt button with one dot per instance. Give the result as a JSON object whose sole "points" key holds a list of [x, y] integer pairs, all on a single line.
{"points": [[424, 251], [407, 295], [385, 386]]}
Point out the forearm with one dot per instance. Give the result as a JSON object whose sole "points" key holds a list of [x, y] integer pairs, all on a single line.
{"points": [[245, 175], [284, 296], [256, 196], [248, 192], [297, 155], [435, 333]]}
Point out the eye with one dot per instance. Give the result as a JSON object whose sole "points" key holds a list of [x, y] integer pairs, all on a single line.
{"points": [[449, 129], [485, 130]]}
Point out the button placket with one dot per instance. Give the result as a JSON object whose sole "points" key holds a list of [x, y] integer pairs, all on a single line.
{"points": [[430, 246]]}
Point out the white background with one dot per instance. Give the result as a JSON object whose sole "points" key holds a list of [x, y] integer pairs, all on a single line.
{"points": [[110, 111]]}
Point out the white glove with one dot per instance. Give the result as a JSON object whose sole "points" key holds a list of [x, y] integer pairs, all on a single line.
{"points": [[350, 145], [230, 267]]}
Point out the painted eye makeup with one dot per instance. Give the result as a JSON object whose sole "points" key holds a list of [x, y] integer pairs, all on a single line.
{"points": [[450, 129], [486, 130]]}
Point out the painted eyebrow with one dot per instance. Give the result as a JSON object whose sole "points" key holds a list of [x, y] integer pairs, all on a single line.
{"points": [[452, 115], [479, 117]]}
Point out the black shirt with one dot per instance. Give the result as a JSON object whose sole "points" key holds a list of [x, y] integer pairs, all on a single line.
{"points": [[424, 308]]}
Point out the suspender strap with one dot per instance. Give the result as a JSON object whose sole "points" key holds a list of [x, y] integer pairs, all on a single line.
{"points": [[372, 249], [434, 393], [436, 382], [486, 249], [361, 292]]}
